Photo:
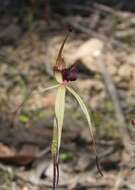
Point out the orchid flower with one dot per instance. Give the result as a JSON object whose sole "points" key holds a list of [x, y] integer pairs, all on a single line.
{"points": [[64, 76]]}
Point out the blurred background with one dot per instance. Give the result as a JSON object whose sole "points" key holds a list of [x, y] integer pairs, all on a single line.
{"points": [[102, 45]]}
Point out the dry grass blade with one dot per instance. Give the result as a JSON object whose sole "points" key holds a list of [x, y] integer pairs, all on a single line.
{"points": [[86, 113]]}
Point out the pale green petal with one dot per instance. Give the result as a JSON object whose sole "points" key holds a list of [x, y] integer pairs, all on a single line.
{"points": [[48, 88], [58, 76], [27, 97], [59, 110]]}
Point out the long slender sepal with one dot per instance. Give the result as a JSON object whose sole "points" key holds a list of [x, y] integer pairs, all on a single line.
{"points": [[57, 130], [60, 63], [87, 115], [58, 60], [26, 98], [54, 150], [59, 110], [48, 88]]}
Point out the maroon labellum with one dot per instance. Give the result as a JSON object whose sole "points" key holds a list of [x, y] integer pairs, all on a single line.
{"points": [[70, 74]]}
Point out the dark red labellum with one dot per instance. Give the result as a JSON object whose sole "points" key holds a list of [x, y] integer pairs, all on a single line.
{"points": [[70, 74]]}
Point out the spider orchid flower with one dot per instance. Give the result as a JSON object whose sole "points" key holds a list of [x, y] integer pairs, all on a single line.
{"points": [[64, 76]]}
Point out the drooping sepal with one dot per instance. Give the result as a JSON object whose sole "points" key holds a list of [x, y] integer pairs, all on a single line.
{"points": [[87, 115], [57, 130], [55, 154]]}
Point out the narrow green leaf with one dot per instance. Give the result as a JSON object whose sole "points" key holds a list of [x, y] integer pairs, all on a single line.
{"points": [[59, 110], [87, 115]]}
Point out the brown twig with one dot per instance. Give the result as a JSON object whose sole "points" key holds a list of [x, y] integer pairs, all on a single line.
{"points": [[116, 102]]}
